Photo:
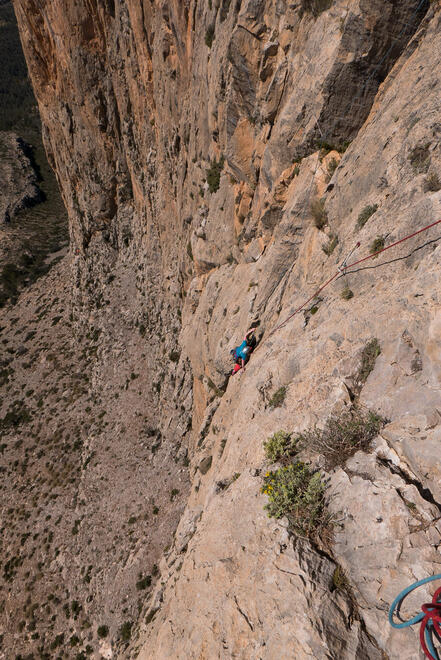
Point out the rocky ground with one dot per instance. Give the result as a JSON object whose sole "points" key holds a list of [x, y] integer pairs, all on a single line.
{"points": [[90, 494]]}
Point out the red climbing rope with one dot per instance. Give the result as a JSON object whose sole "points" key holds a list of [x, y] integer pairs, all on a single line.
{"points": [[388, 247], [432, 619], [299, 309], [429, 618], [342, 271]]}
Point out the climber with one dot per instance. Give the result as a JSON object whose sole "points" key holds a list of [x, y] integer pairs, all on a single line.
{"points": [[241, 354]]}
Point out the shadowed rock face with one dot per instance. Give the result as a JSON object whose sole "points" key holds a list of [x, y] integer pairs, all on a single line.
{"points": [[140, 100]]}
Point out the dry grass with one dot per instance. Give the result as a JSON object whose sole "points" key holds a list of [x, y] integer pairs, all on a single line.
{"points": [[419, 158], [278, 397], [279, 445], [347, 293], [432, 183], [368, 358], [342, 436], [330, 246], [377, 244], [365, 215]]}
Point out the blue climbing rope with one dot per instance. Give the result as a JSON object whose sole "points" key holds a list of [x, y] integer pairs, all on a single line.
{"points": [[430, 617]]}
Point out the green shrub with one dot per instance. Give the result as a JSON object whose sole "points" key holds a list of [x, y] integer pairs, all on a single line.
{"points": [[76, 527], [278, 397], [75, 607], [347, 293], [209, 36], [339, 580], [58, 641], [213, 174], [17, 414], [330, 246], [315, 7], [432, 183], [377, 244], [144, 582], [278, 445], [325, 147], [126, 631], [332, 166], [174, 356], [419, 158], [4, 375], [103, 631], [342, 436], [368, 357], [319, 213], [365, 215], [297, 492]]}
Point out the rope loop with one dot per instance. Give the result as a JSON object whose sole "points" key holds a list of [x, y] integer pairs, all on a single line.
{"points": [[429, 618]]}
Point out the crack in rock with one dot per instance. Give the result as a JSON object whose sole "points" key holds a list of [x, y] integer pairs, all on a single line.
{"points": [[244, 615], [424, 492]]}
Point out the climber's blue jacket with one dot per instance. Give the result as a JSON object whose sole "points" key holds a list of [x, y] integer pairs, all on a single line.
{"points": [[242, 351]]}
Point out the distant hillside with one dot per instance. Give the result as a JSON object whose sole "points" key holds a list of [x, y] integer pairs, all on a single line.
{"points": [[34, 232], [17, 101]]}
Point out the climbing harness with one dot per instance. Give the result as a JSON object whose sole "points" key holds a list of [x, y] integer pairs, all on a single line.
{"points": [[342, 270], [430, 617]]}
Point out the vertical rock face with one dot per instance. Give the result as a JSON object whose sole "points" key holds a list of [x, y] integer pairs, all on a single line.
{"points": [[193, 143]]}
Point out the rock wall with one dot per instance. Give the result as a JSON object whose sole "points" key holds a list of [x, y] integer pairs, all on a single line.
{"points": [[193, 143]]}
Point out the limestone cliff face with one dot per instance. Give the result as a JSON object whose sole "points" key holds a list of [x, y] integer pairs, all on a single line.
{"points": [[189, 140]]}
